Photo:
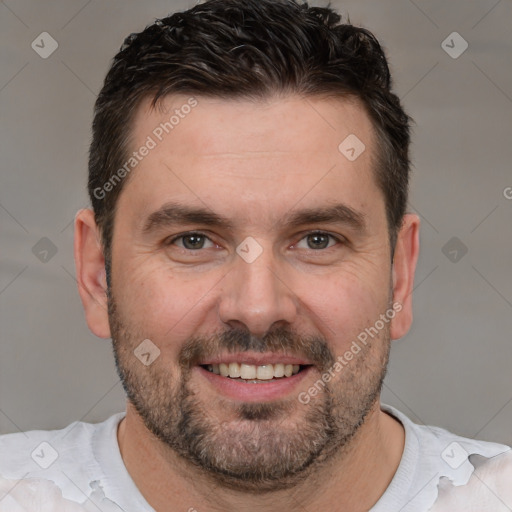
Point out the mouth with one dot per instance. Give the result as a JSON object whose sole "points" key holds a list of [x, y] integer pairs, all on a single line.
{"points": [[255, 374], [256, 378]]}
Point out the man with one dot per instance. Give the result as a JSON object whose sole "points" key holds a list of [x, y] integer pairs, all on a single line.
{"points": [[249, 253]]}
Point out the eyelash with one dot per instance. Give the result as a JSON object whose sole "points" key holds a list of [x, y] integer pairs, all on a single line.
{"points": [[339, 240]]}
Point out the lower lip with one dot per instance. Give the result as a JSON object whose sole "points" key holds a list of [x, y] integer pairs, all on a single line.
{"points": [[237, 389]]}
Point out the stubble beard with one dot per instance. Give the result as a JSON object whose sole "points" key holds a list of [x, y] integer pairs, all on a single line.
{"points": [[258, 450]]}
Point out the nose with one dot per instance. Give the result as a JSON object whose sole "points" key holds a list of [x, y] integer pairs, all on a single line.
{"points": [[256, 296]]}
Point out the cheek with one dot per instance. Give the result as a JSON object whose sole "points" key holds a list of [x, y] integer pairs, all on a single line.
{"points": [[345, 305], [165, 305]]}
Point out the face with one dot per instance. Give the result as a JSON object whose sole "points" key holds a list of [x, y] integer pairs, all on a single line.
{"points": [[246, 241]]}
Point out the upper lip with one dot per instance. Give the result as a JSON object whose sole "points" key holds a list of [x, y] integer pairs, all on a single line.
{"points": [[255, 358]]}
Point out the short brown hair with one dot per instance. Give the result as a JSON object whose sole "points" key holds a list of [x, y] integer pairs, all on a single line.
{"points": [[248, 49]]}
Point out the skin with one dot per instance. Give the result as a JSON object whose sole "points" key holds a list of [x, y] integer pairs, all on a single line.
{"points": [[254, 163]]}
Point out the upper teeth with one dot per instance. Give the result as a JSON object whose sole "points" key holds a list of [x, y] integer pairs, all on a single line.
{"points": [[250, 371]]}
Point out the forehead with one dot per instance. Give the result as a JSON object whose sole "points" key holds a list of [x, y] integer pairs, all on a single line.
{"points": [[268, 153], [215, 126]]}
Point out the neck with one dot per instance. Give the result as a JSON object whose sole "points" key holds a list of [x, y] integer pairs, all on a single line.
{"points": [[365, 468]]}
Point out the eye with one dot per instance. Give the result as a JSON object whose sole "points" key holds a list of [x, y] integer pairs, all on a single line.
{"points": [[192, 241], [318, 240]]}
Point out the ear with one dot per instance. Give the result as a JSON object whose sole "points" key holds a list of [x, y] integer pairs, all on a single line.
{"points": [[404, 265], [90, 273]]}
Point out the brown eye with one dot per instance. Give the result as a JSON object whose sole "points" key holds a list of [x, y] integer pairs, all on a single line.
{"points": [[317, 241], [192, 241]]}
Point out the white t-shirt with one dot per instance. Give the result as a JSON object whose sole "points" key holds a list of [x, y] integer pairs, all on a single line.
{"points": [[80, 468]]}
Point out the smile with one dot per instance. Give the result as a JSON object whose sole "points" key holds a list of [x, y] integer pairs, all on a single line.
{"points": [[254, 373], [243, 382]]}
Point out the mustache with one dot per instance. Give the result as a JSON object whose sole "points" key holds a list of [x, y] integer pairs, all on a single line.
{"points": [[238, 340]]}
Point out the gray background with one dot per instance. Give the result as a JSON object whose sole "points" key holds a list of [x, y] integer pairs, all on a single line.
{"points": [[454, 367]]}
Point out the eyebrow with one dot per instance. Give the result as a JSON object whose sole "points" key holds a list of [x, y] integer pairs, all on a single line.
{"points": [[171, 214], [335, 214]]}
